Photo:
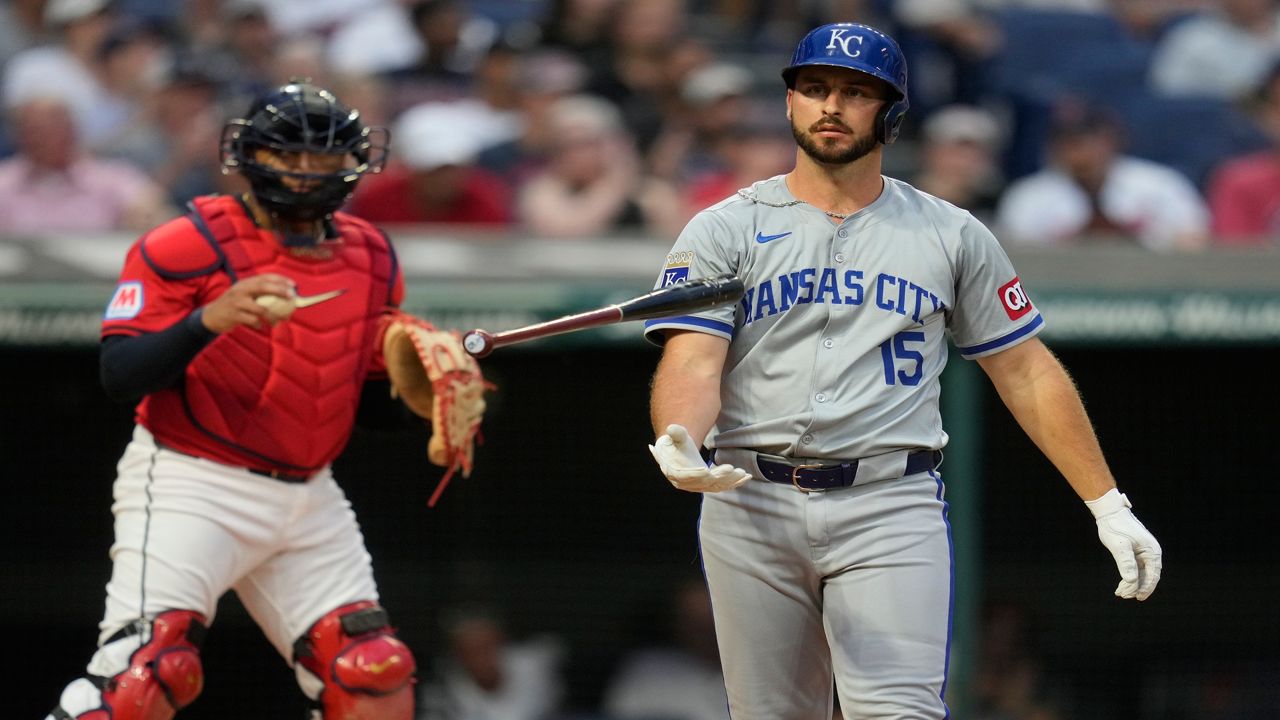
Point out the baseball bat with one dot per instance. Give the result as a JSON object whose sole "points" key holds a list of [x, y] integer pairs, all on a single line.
{"points": [[677, 299]]}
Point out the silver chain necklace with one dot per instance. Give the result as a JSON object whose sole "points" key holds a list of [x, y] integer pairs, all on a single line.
{"points": [[789, 203]]}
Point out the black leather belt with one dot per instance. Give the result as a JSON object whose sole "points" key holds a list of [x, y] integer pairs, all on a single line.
{"points": [[273, 474], [282, 477], [832, 477]]}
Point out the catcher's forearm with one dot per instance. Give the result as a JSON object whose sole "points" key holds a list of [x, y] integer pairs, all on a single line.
{"points": [[133, 366]]}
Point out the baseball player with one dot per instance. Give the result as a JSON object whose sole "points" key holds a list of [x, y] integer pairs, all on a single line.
{"points": [[249, 329], [824, 530]]}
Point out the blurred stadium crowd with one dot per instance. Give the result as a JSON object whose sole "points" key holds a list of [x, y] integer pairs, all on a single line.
{"points": [[1147, 121]]}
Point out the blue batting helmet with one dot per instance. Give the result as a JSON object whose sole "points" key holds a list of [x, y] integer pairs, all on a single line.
{"points": [[862, 48]]}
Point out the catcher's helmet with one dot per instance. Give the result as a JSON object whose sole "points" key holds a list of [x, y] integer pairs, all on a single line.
{"points": [[302, 118], [862, 48]]}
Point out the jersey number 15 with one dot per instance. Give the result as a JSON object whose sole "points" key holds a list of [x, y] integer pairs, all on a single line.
{"points": [[895, 350]]}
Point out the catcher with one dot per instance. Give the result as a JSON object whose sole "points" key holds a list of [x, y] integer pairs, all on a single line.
{"points": [[249, 331]]}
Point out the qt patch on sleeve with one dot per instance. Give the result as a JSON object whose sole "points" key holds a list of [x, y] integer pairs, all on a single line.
{"points": [[1014, 299]]}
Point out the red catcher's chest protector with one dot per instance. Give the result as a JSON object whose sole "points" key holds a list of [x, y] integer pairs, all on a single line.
{"points": [[283, 397]]}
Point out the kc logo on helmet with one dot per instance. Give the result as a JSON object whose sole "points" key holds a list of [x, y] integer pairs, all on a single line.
{"points": [[1014, 298], [838, 38]]}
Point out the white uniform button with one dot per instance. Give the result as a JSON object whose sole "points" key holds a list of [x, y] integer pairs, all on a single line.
{"points": [[820, 397], [807, 439], [839, 257], [843, 233], [828, 343]]}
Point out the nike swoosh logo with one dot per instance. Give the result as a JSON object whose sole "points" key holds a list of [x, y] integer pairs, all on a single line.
{"points": [[762, 238], [308, 300]]}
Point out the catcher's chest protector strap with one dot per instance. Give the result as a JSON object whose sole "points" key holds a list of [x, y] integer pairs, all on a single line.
{"points": [[367, 671], [164, 673]]}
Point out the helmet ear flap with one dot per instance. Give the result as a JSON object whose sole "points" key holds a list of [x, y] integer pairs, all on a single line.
{"points": [[889, 121]]}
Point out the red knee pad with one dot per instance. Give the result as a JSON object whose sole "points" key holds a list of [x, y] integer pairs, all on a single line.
{"points": [[367, 671], [164, 674]]}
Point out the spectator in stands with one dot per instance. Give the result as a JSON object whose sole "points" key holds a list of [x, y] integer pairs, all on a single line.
{"points": [[714, 97], [370, 93], [70, 64], [1222, 52], [132, 59], [650, 53], [176, 138], [494, 100], [1090, 190], [379, 40], [545, 76], [21, 26], [238, 46], [315, 17], [454, 42], [959, 158], [300, 56], [51, 185], [580, 27], [432, 177], [592, 184], [1244, 192], [132, 62], [953, 38], [488, 676], [679, 678]]}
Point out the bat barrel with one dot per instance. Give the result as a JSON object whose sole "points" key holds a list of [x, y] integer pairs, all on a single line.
{"points": [[683, 298]]}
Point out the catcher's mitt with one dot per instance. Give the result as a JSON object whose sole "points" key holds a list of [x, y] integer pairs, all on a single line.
{"points": [[439, 381]]}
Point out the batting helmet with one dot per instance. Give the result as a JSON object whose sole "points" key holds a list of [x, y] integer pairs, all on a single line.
{"points": [[862, 48], [302, 118]]}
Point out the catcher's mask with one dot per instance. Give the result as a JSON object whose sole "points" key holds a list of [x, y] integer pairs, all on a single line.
{"points": [[302, 118]]}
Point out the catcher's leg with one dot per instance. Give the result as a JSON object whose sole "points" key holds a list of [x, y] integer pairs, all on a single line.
{"points": [[159, 672], [351, 664]]}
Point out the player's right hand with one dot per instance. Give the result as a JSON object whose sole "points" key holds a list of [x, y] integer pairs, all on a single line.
{"points": [[1135, 549], [685, 469], [237, 306]]}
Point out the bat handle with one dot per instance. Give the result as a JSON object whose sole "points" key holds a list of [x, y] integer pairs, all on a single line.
{"points": [[478, 343]]}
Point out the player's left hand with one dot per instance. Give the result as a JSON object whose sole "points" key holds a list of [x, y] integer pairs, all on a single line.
{"points": [[684, 467], [1134, 548]]}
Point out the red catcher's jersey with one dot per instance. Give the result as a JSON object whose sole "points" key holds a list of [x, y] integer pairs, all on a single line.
{"points": [[273, 398]]}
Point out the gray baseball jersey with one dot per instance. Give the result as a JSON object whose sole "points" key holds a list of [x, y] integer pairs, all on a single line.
{"points": [[839, 342], [835, 353]]}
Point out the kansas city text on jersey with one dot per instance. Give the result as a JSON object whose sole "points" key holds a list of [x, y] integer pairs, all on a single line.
{"points": [[838, 286]]}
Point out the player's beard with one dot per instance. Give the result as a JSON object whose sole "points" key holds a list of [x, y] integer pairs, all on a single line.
{"points": [[830, 154]]}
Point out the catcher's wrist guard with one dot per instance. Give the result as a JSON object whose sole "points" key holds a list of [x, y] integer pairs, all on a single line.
{"points": [[435, 377]]}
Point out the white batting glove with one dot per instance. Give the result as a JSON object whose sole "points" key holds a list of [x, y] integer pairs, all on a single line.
{"points": [[1135, 549], [684, 467]]}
